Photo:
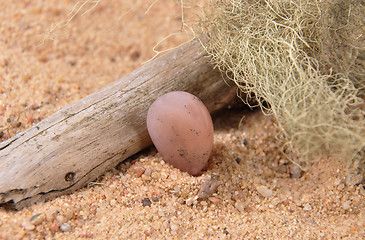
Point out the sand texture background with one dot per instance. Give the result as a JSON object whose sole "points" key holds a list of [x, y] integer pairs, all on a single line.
{"points": [[46, 64]]}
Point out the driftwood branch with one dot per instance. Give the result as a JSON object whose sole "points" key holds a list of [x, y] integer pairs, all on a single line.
{"points": [[80, 142]]}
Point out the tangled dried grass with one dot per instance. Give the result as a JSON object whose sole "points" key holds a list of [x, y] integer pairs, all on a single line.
{"points": [[303, 58]]}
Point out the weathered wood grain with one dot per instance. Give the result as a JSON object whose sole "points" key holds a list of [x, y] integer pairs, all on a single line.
{"points": [[80, 142]]}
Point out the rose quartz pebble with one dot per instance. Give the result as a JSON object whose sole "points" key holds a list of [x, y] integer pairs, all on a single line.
{"points": [[181, 129]]}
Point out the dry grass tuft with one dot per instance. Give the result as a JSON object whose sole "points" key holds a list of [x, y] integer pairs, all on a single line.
{"points": [[301, 60]]}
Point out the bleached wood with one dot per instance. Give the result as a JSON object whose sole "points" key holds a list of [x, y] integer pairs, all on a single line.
{"points": [[80, 142]]}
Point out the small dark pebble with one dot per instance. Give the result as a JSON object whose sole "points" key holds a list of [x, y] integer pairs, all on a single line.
{"points": [[238, 160], [244, 141], [37, 218], [225, 231], [18, 124], [8, 120], [72, 63], [135, 55], [35, 107], [1, 134], [146, 202], [155, 199]]}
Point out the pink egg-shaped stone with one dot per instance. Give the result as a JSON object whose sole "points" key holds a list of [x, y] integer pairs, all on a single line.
{"points": [[181, 129]]}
